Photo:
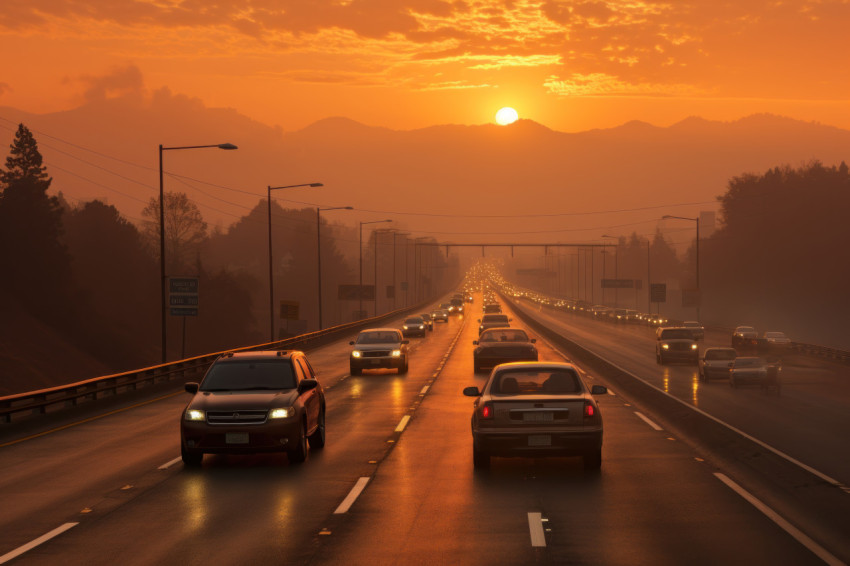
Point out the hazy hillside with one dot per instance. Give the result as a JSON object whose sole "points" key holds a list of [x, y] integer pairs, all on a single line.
{"points": [[449, 170]]}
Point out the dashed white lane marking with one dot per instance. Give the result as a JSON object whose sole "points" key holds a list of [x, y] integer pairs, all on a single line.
{"points": [[169, 463], [32, 544], [535, 526], [404, 420], [424, 390], [647, 421], [352, 496], [801, 537]]}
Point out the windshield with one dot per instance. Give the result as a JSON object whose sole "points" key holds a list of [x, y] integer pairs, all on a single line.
{"points": [[378, 337], [774, 335], [504, 335], [495, 318], [535, 382], [674, 333], [720, 354], [249, 374], [413, 320], [749, 362]]}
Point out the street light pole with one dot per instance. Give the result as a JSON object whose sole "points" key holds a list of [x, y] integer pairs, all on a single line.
{"points": [[271, 270], [699, 298], [360, 288], [162, 276], [319, 251]]}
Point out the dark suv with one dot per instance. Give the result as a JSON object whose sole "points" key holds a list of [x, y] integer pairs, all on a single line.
{"points": [[675, 343], [247, 402]]}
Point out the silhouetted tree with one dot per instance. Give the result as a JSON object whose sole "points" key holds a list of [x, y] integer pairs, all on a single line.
{"points": [[36, 265], [185, 231]]}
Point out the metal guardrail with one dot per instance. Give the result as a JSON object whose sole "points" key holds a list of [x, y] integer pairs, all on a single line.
{"points": [[54, 398]]}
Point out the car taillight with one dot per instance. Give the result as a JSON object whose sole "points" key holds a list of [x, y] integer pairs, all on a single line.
{"points": [[487, 411], [591, 413]]}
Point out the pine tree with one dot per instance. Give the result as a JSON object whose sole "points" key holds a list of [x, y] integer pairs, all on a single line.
{"points": [[35, 263]]}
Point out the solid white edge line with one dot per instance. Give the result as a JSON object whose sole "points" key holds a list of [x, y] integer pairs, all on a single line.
{"points": [[170, 463], [801, 537], [535, 527], [424, 390], [32, 544], [764, 445], [647, 421], [352, 496], [403, 423]]}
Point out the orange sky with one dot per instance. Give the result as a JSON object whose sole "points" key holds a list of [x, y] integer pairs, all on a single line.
{"points": [[406, 64]]}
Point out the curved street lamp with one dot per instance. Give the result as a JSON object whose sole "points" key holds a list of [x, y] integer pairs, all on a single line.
{"points": [[163, 279], [271, 271], [319, 250]]}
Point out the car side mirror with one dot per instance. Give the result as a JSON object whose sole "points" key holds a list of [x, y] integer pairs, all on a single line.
{"points": [[598, 390], [405, 341], [475, 342], [191, 387], [471, 391], [534, 340], [479, 320], [306, 385], [351, 343]]}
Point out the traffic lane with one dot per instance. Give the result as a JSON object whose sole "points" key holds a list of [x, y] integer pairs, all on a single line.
{"points": [[253, 499], [807, 427], [653, 502]]}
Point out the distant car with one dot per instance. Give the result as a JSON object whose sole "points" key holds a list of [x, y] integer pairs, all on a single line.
{"points": [[413, 326], [744, 337], [440, 315], [456, 305], [493, 320], [377, 348], [501, 345], [248, 402], [620, 315], [716, 363], [675, 343], [749, 370], [696, 328], [536, 409], [492, 308], [429, 320], [446, 307], [656, 320], [776, 342]]}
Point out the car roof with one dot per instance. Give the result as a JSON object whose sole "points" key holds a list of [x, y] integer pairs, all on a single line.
{"points": [[384, 329], [258, 355]]}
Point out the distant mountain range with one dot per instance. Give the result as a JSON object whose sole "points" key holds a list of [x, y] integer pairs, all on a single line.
{"points": [[444, 172]]}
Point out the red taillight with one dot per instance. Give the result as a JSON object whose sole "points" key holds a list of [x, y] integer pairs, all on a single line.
{"points": [[487, 411], [589, 411]]}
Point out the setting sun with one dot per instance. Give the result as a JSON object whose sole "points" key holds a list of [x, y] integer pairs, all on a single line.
{"points": [[506, 115]]}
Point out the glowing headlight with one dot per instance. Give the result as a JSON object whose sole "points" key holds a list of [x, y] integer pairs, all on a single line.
{"points": [[355, 354], [396, 353], [665, 346], [195, 415], [405, 327], [421, 327], [281, 413], [694, 346]]}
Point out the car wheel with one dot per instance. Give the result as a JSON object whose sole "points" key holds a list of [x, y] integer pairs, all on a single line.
{"points": [[593, 460], [480, 460], [356, 371], [191, 459], [403, 369], [317, 439], [299, 453]]}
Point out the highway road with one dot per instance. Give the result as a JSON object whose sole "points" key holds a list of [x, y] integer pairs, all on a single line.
{"points": [[395, 483]]}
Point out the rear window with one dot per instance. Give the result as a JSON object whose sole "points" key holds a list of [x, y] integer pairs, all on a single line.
{"points": [[495, 318], [720, 354], [749, 362], [249, 374], [505, 335], [536, 382]]}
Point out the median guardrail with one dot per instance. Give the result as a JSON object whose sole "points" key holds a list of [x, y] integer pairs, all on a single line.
{"points": [[55, 398]]}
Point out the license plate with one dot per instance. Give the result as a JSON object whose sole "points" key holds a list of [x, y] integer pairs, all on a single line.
{"points": [[540, 440], [542, 417], [375, 362], [236, 438]]}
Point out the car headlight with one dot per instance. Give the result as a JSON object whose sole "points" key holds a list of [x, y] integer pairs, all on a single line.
{"points": [[694, 346], [665, 346], [194, 415], [421, 327], [405, 327], [396, 353], [281, 413], [355, 354]]}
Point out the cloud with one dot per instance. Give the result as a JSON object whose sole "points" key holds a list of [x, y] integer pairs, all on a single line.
{"points": [[4, 88], [124, 82]]}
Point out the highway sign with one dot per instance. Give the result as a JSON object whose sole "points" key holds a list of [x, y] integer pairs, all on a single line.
{"points": [[183, 300], [184, 311], [618, 283], [289, 310], [658, 292], [183, 285], [183, 296]]}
